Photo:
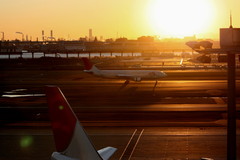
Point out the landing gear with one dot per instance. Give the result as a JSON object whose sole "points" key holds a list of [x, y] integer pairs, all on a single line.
{"points": [[124, 85], [155, 87]]}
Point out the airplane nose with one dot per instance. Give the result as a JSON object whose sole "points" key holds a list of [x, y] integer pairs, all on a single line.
{"points": [[164, 74]]}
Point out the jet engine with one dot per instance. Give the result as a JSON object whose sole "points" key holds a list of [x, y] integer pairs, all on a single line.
{"points": [[137, 79]]}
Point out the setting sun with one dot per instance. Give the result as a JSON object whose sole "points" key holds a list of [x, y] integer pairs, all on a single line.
{"points": [[114, 19], [180, 18]]}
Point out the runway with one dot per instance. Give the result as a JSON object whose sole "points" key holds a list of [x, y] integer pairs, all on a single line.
{"points": [[184, 118], [132, 142], [102, 100]]}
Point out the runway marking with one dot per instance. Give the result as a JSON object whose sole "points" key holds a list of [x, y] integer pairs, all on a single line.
{"points": [[218, 100], [128, 144], [136, 144], [131, 145]]}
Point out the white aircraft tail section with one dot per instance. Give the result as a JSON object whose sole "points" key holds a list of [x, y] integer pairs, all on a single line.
{"points": [[106, 152], [89, 67], [72, 142]]}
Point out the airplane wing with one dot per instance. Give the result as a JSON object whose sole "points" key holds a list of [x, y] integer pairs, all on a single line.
{"points": [[106, 152], [129, 77], [125, 76]]}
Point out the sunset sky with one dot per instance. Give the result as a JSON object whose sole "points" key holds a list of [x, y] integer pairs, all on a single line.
{"points": [[71, 19]]}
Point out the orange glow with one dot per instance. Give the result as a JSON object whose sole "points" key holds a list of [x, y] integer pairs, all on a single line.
{"points": [[111, 18], [179, 18]]}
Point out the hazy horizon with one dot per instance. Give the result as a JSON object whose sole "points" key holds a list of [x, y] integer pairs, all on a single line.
{"points": [[112, 18]]}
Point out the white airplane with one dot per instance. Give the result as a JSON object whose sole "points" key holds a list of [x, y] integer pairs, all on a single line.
{"points": [[134, 75], [72, 142]]}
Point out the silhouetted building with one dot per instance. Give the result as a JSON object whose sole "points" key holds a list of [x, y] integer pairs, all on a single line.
{"points": [[229, 37], [43, 35], [90, 35]]}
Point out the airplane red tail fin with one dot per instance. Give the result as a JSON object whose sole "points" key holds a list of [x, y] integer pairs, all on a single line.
{"points": [[63, 128], [72, 142], [87, 64]]}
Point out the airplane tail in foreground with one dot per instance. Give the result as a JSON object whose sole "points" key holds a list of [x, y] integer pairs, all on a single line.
{"points": [[72, 142]]}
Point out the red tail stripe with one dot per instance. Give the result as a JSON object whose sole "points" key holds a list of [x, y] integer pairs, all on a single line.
{"points": [[62, 117], [87, 64]]}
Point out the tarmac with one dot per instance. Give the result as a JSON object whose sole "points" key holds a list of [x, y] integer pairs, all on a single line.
{"points": [[183, 118]]}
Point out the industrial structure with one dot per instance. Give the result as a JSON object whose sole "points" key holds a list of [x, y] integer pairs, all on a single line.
{"points": [[230, 45]]}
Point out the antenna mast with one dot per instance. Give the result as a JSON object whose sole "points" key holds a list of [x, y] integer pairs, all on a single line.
{"points": [[231, 20]]}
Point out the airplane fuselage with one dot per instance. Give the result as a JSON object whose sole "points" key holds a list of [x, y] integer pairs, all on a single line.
{"points": [[135, 75]]}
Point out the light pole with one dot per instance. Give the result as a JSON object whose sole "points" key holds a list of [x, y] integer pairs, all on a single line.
{"points": [[2, 36], [21, 34], [231, 47]]}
